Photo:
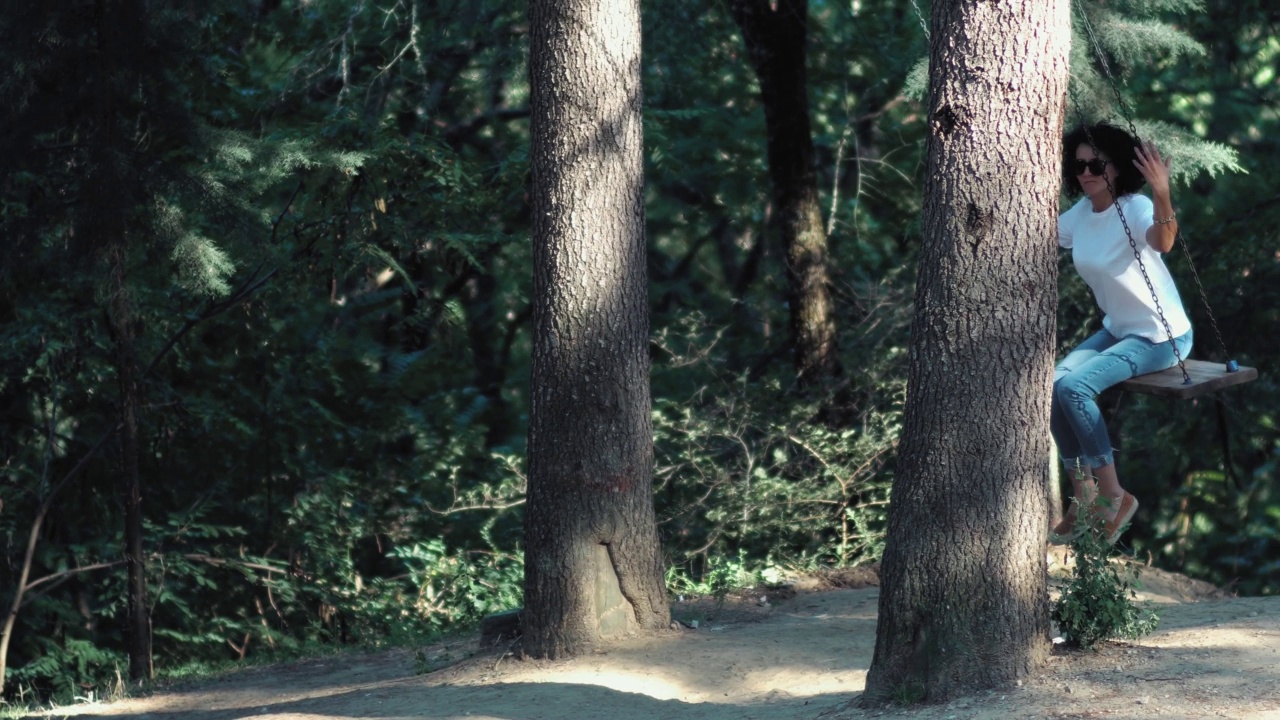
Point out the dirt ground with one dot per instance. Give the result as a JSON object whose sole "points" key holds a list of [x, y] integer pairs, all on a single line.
{"points": [[796, 654]]}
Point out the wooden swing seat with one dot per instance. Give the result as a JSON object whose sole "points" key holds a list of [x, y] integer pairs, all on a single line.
{"points": [[1206, 377]]}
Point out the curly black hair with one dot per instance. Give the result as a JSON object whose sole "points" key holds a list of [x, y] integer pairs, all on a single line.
{"points": [[1113, 143]]}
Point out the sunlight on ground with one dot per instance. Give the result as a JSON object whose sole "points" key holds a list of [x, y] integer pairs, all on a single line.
{"points": [[652, 685], [806, 658], [812, 683], [794, 683], [1240, 640]]}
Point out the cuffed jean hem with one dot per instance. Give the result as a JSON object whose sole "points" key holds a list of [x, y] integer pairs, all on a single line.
{"points": [[1084, 462]]}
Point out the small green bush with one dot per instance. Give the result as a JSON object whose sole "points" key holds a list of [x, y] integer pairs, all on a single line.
{"points": [[1098, 602]]}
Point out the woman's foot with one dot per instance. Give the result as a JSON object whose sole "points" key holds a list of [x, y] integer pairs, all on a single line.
{"points": [[1118, 513], [1065, 531], [1115, 514]]}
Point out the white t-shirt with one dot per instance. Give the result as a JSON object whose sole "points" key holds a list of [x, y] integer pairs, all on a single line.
{"points": [[1102, 255]]}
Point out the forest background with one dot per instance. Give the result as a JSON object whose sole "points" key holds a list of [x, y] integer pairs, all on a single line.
{"points": [[279, 283]]}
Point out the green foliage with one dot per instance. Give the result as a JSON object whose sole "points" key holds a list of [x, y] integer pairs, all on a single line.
{"points": [[1097, 603], [745, 470], [1109, 44], [333, 459], [1210, 470], [740, 472], [70, 666], [289, 454], [917, 84], [203, 269], [457, 589], [1132, 42], [1195, 156], [1148, 8], [719, 577]]}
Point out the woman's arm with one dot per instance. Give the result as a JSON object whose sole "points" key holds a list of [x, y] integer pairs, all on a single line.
{"points": [[1164, 229]]}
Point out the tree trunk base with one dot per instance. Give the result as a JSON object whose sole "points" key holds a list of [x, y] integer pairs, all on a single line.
{"points": [[500, 627], [614, 615]]}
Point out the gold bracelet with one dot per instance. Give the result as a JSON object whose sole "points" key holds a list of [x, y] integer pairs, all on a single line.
{"points": [[1167, 220]]}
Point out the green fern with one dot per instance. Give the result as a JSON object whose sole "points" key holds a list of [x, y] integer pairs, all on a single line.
{"points": [[1149, 8], [916, 85], [1135, 42], [203, 268]]}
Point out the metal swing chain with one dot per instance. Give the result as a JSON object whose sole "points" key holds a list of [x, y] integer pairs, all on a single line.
{"points": [[1204, 300], [1181, 240]]}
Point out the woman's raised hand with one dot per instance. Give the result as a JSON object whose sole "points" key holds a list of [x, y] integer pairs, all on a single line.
{"points": [[1154, 168]]}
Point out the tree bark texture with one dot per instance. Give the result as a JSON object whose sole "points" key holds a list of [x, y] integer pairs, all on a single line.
{"points": [[964, 603], [775, 33], [593, 565]]}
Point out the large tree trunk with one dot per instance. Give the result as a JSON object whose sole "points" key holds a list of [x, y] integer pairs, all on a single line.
{"points": [[593, 565], [964, 603], [775, 33]]}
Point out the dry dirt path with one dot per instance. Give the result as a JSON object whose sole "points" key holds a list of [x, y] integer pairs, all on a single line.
{"points": [[802, 658]]}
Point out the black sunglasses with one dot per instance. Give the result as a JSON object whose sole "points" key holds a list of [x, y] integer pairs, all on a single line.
{"points": [[1095, 166]]}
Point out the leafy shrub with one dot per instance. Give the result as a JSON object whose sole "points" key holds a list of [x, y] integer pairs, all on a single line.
{"points": [[458, 588], [67, 668], [1097, 603], [719, 576], [755, 470], [746, 473]]}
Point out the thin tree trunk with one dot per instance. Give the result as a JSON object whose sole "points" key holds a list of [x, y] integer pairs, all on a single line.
{"points": [[119, 22], [593, 565], [775, 33], [130, 483], [964, 603]]}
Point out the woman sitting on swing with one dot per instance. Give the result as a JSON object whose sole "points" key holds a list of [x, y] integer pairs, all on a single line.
{"points": [[1108, 166]]}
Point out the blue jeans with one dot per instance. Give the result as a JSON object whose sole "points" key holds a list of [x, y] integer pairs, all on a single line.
{"points": [[1099, 363]]}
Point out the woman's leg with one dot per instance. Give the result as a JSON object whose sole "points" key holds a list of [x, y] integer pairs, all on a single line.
{"points": [[1084, 489], [1064, 434], [1076, 394]]}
